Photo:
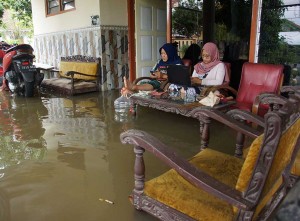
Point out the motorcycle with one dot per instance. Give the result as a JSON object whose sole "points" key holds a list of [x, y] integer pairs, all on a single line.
{"points": [[20, 74], [3, 47]]}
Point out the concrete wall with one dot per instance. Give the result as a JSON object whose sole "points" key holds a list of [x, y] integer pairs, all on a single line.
{"points": [[113, 12], [71, 33], [78, 18]]}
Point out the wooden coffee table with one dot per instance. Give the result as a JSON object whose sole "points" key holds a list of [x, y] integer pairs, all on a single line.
{"points": [[173, 105], [178, 106]]}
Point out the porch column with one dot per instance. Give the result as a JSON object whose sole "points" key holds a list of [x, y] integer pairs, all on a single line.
{"points": [[169, 21], [255, 30], [131, 39]]}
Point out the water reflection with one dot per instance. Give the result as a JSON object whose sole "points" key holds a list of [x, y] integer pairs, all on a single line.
{"points": [[78, 122], [4, 207], [19, 144], [74, 157], [83, 158]]}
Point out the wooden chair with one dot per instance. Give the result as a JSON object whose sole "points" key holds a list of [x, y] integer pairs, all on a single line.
{"points": [[188, 63], [77, 74], [289, 103], [255, 79], [216, 186]]}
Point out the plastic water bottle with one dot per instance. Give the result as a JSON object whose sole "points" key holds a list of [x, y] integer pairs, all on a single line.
{"points": [[122, 107], [190, 95]]}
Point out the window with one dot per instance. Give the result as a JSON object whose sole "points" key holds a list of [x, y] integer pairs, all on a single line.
{"points": [[58, 6]]}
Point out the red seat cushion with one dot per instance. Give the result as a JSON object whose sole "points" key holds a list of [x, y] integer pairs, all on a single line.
{"points": [[256, 79]]}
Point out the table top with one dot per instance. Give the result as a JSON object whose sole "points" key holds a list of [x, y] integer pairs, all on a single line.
{"points": [[43, 66], [173, 104]]}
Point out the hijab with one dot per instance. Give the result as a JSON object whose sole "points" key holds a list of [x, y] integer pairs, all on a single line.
{"points": [[202, 68], [212, 50], [173, 57]]}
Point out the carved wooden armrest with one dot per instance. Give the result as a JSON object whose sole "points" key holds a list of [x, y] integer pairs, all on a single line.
{"points": [[203, 115], [197, 177], [291, 91], [72, 73], [241, 128], [246, 116], [275, 101]]}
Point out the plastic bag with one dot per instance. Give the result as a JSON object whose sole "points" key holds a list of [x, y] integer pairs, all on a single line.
{"points": [[210, 100]]}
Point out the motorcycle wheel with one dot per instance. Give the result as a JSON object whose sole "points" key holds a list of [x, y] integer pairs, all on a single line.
{"points": [[29, 89]]}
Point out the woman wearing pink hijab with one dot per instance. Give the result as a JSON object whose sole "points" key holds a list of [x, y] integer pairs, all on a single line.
{"points": [[210, 71]]}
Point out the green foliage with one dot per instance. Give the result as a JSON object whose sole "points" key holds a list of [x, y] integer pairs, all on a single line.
{"points": [[222, 34], [270, 43], [236, 16], [2, 8], [22, 9], [14, 30], [187, 19], [18, 20], [289, 26]]}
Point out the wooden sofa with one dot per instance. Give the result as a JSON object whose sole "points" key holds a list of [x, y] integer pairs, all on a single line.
{"points": [[77, 74], [216, 186]]}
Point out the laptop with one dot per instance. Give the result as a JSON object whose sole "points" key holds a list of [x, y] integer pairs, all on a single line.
{"points": [[179, 74]]}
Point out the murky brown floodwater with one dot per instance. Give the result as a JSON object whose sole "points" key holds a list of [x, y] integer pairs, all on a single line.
{"points": [[60, 155]]}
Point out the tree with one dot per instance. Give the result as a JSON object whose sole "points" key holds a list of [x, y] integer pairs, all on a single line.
{"points": [[271, 23], [22, 7], [18, 21], [229, 13], [187, 18]]}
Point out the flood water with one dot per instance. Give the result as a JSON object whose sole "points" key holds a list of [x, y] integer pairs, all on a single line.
{"points": [[60, 156]]}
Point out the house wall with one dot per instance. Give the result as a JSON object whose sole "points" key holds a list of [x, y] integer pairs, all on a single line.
{"points": [[54, 37], [79, 18], [113, 12]]}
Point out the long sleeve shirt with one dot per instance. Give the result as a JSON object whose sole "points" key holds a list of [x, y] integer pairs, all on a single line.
{"points": [[214, 77]]}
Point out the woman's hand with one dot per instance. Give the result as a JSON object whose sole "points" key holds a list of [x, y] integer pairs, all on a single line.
{"points": [[196, 81]]}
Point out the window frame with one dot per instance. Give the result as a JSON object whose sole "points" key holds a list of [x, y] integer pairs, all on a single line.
{"points": [[61, 5]]}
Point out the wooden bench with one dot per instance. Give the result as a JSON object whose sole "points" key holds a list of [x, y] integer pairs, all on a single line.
{"points": [[77, 74]]}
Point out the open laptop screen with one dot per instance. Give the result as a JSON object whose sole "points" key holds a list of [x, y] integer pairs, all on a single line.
{"points": [[179, 74]]}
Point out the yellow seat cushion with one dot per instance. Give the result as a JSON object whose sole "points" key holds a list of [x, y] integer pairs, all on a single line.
{"points": [[173, 190], [281, 159], [286, 143], [250, 160], [90, 68], [296, 166]]}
